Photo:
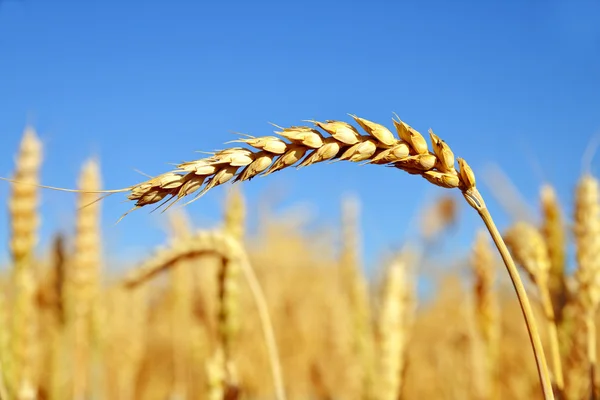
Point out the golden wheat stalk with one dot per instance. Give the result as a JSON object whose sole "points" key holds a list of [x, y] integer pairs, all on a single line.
{"points": [[229, 248], [529, 249], [304, 145], [23, 205]]}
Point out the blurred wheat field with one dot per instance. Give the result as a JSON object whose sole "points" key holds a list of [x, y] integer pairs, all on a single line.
{"points": [[191, 322]]}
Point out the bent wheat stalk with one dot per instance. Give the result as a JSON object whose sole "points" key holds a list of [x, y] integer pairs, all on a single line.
{"points": [[306, 145], [229, 248]]}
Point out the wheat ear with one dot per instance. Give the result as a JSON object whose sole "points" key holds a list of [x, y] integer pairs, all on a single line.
{"points": [[24, 223], [587, 275], [553, 229], [82, 283], [229, 248], [530, 251]]}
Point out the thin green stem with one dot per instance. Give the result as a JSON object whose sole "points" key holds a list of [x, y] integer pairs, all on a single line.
{"points": [[475, 200]]}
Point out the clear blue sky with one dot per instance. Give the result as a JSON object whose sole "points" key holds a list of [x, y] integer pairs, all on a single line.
{"points": [[144, 83]]}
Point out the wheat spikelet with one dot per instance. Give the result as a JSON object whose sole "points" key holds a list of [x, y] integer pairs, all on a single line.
{"points": [[553, 229], [23, 204], [357, 290], [394, 321], [231, 251], [529, 249], [486, 309], [587, 276]]}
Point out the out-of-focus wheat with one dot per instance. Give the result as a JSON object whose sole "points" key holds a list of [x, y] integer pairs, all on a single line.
{"points": [[393, 328], [553, 229], [23, 204], [357, 291], [529, 249], [83, 280], [587, 276], [182, 308], [486, 310]]}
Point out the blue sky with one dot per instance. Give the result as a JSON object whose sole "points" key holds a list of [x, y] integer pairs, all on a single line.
{"points": [[142, 84]]}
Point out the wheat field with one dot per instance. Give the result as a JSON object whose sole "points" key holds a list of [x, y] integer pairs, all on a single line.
{"points": [[283, 314]]}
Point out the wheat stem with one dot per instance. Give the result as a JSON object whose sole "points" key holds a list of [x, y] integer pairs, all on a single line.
{"points": [[475, 199]]}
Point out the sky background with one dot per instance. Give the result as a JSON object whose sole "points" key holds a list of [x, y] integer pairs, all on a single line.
{"points": [[140, 84]]}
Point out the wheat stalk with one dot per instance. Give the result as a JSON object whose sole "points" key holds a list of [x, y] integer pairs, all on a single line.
{"points": [[529, 249], [229, 248]]}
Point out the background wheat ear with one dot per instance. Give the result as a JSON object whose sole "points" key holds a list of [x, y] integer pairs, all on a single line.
{"points": [[23, 204], [587, 275]]}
